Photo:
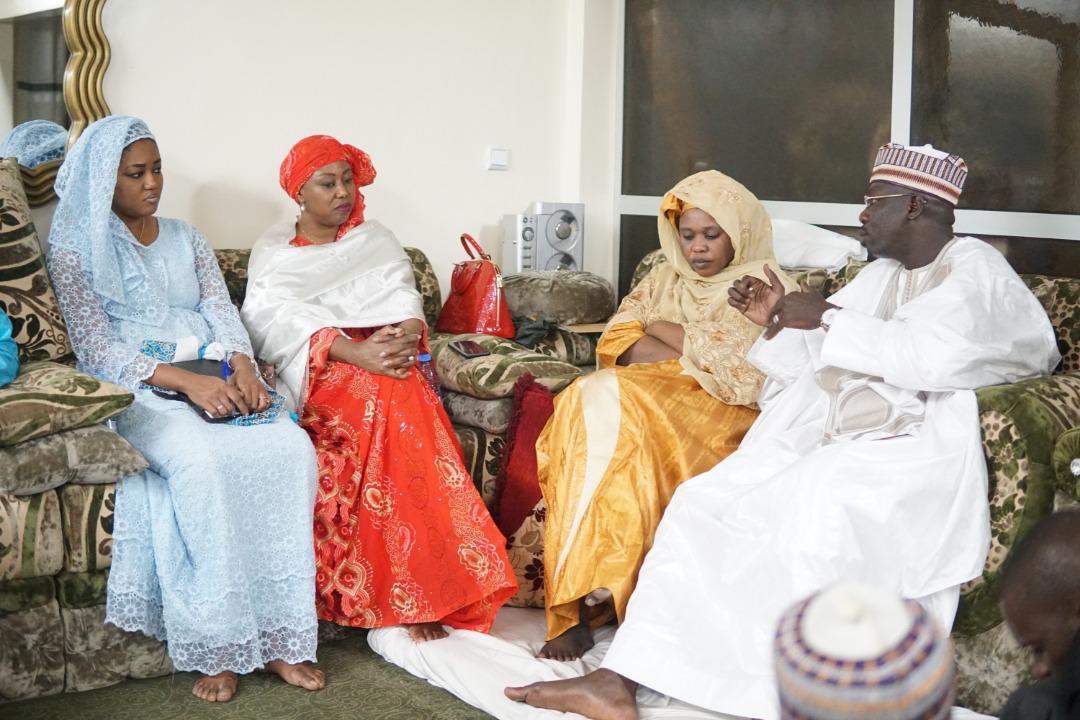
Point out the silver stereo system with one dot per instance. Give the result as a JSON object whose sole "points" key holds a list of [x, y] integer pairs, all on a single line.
{"points": [[547, 236]]}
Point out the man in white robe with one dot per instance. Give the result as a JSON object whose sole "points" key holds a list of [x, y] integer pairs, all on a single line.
{"points": [[866, 463]]}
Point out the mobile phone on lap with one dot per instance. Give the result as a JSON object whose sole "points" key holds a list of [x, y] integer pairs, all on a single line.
{"points": [[468, 348]]}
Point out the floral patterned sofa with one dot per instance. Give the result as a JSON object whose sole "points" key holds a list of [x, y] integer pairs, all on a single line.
{"points": [[1031, 433]]}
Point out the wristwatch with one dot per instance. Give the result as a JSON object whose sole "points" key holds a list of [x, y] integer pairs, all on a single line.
{"points": [[828, 317]]}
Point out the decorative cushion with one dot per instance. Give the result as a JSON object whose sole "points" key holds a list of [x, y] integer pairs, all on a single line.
{"points": [[47, 397], [86, 515], [564, 296], [490, 415], [31, 543], [526, 551], [234, 266], [494, 375], [427, 284], [569, 347], [482, 452], [85, 456], [32, 649], [520, 507], [516, 487], [26, 294], [99, 655], [1060, 298]]}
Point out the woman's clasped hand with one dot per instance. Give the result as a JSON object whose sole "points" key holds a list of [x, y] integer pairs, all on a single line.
{"points": [[390, 350]]}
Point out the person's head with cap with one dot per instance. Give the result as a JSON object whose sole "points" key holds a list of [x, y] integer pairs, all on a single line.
{"points": [[1040, 591], [856, 651], [910, 202]]}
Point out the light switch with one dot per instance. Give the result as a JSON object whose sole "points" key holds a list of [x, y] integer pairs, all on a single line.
{"points": [[498, 158]]}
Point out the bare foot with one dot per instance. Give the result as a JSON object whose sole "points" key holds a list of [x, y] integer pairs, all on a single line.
{"points": [[600, 695], [301, 675], [215, 688], [571, 645], [422, 632]]}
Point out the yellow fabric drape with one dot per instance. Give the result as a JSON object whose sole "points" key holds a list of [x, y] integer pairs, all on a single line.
{"points": [[622, 439]]}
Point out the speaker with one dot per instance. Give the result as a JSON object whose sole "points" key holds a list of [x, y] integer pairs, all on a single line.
{"points": [[547, 236]]}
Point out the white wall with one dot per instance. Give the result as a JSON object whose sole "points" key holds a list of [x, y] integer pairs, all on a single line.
{"points": [[422, 86]]}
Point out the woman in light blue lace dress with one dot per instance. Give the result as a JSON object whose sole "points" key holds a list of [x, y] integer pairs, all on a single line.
{"points": [[212, 545]]}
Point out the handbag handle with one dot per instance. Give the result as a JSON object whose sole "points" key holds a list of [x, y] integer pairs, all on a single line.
{"points": [[466, 240]]}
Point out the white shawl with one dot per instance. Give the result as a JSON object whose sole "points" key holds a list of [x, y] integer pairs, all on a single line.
{"points": [[363, 280]]}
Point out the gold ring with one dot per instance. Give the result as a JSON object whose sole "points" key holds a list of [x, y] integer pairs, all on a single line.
{"points": [[264, 399]]}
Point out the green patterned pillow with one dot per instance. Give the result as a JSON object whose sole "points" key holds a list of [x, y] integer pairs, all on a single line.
{"points": [[31, 544], [490, 415], [47, 397], [26, 294], [494, 375], [427, 284], [85, 456], [566, 296], [86, 513], [482, 452]]}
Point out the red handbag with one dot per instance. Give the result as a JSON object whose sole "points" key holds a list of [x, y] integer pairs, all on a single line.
{"points": [[476, 303]]}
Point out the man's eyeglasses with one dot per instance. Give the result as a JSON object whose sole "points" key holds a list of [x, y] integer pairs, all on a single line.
{"points": [[869, 200]]}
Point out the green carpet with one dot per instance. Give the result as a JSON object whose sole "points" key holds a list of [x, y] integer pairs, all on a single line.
{"points": [[360, 685]]}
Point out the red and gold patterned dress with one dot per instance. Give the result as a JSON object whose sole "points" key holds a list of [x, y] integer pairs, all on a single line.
{"points": [[401, 534]]}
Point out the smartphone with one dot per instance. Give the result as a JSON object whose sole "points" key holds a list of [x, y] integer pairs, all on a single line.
{"points": [[468, 348]]}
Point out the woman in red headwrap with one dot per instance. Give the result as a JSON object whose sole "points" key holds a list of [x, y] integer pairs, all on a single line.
{"points": [[401, 534]]}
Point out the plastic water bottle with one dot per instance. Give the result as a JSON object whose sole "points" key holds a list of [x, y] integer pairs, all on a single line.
{"points": [[427, 369]]}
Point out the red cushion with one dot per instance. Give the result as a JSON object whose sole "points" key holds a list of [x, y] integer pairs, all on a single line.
{"points": [[516, 488]]}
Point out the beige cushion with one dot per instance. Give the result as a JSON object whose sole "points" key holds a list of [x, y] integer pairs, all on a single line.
{"points": [[31, 544], [494, 375], [47, 397], [85, 456], [26, 294], [565, 296]]}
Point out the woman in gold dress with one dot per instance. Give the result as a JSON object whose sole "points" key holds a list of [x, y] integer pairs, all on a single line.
{"points": [[675, 395]]}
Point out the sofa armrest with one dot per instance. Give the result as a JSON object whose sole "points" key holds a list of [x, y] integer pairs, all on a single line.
{"points": [[1020, 426]]}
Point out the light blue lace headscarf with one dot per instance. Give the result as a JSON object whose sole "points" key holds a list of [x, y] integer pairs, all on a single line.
{"points": [[35, 142], [85, 222]]}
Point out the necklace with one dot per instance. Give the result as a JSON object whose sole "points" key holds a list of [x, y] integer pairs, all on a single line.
{"points": [[142, 227]]}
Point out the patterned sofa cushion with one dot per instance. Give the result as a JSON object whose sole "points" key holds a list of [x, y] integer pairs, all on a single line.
{"points": [[31, 544], [26, 294], [47, 397], [31, 640], [86, 456], [1060, 298], [569, 347], [494, 375], [489, 415], [566, 296], [483, 456], [86, 516]]}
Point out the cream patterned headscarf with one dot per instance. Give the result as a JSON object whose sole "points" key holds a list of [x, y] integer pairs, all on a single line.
{"points": [[715, 332]]}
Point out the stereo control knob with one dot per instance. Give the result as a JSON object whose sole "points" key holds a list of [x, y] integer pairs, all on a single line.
{"points": [[527, 234]]}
